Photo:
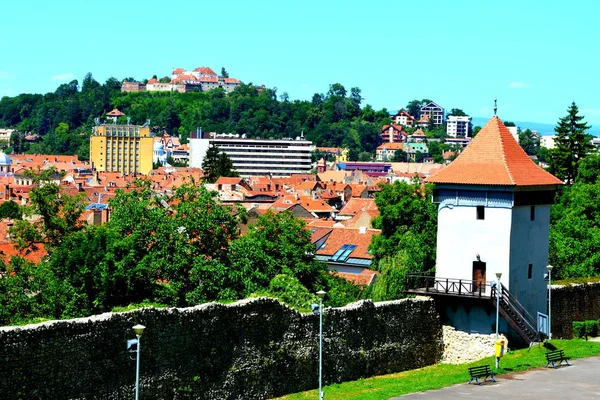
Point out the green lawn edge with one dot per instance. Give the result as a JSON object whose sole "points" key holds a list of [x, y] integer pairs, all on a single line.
{"points": [[438, 376]]}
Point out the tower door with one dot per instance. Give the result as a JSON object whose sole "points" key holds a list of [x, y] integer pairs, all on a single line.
{"points": [[478, 275]]}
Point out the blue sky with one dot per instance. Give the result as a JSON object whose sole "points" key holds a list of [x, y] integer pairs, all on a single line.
{"points": [[535, 56]]}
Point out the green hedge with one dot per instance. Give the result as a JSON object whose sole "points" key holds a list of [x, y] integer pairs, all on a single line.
{"points": [[585, 329]]}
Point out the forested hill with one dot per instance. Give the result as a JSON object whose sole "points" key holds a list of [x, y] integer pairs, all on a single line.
{"points": [[64, 118]]}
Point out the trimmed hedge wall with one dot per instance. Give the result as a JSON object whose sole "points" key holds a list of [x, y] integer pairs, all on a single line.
{"points": [[252, 349]]}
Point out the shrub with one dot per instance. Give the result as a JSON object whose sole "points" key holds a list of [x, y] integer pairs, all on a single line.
{"points": [[578, 329], [591, 328]]}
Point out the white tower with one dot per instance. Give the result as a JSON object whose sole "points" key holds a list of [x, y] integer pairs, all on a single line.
{"points": [[494, 217]]}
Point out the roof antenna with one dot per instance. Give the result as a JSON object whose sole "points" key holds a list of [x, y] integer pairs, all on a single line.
{"points": [[495, 106]]}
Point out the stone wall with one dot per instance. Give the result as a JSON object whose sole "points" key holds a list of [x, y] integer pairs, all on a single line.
{"points": [[462, 347], [573, 303], [253, 349]]}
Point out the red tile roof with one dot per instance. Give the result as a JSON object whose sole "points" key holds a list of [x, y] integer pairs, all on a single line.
{"points": [[366, 277], [494, 158], [391, 146], [205, 71], [209, 79], [115, 113], [230, 80]]}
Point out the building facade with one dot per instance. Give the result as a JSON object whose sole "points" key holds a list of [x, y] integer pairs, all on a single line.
{"points": [[458, 126], [126, 149], [434, 112], [273, 157]]}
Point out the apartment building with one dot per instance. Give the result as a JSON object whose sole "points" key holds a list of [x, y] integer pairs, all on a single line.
{"points": [[275, 157], [434, 112], [126, 149], [458, 126]]}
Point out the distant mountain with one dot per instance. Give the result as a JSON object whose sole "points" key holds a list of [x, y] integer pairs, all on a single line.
{"points": [[543, 129]]}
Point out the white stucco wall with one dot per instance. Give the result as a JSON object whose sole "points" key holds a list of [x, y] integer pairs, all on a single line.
{"points": [[461, 236], [198, 148], [529, 245]]}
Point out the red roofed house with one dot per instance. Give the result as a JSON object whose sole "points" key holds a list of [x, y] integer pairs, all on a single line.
{"points": [[403, 118], [392, 134], [346, 251], [493, 218]]}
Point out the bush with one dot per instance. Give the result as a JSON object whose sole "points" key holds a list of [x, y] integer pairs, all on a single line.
{"points": [[578, 329], [591, 328]]}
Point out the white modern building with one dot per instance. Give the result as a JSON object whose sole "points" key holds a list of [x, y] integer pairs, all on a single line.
{"points": [[458, 126], [493, 218], [275, 157]]}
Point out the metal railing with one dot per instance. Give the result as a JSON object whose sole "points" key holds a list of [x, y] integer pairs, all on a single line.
{"points": [[514, 312], [451, 286]]}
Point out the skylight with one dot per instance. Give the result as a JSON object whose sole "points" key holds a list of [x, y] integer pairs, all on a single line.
{"points": [[343, 253]]}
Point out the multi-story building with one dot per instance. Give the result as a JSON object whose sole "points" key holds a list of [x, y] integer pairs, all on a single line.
{"points": [[434, 112], [275, 157], [403, 118], [126, 149], [458, 126], [392, 134]]}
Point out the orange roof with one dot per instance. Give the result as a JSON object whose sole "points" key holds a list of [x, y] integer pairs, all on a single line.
{"points": [[366, 277], [341, 235], [494, 158], [231, 80], [115, 113], [152, 80], [223, 180], [391, 146], [205, 70], [209, 79]]}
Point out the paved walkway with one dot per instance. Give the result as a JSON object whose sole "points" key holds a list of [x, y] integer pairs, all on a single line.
{"points": [[580, 381]]}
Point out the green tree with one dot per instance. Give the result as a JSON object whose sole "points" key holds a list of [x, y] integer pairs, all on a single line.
{"points": [[10, 209], [278, 243], [210, 164], [224, 73], [457, 112], [414, 107], [589, 170], [407, 216], [572, 144], [529, 142], [59, 213]]}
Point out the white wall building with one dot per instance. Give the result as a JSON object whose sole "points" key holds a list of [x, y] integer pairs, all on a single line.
{"points": [[277, 158], [494, 217], [458, 126]]}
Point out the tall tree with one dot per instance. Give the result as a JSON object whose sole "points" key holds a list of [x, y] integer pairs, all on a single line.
{"points": [[457, 112], [572, 144], [224, 73], [529, 142]]}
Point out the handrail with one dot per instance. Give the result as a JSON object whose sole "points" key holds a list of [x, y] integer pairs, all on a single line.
{"points": [[513, 305], [462, 287]]}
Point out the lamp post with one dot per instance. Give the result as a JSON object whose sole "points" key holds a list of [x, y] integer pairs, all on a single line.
{"points": [[498, 289], [549, 268], [321, 295], [138, 329]]}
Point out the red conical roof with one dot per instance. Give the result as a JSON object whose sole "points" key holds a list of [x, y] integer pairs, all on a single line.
{"points": [[494, 158], [115, 113]]}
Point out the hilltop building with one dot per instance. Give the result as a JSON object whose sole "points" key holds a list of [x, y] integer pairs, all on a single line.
{"points": [[403, 118], [127, 149], [200, 79], [275, 157], [493, 218], [433, 112], [458, 126]]}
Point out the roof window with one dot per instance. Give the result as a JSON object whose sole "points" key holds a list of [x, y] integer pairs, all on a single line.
{"points": [[343, 253]]}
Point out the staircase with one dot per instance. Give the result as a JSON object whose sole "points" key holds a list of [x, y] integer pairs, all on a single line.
{"points": [[516, 315]]}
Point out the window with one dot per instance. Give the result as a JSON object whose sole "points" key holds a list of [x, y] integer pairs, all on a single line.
{"points": [[343, 253], [480, 212], [532, 213], [530, 271]]}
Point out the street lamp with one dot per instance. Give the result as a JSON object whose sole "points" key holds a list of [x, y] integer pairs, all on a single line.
{"points": [[498, 289], [321, 295], [549, 268], [138, 329]]}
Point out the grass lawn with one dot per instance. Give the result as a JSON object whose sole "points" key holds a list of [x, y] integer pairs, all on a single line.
{"points": [[442, 375]]}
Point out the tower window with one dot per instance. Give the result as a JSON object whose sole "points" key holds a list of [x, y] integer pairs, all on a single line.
{"points": [[532, 213], [480, 212], [530, 271]]}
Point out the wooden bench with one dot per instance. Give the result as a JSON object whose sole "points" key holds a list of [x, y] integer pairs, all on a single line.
{"points": [[483, 371], [556, 356]]}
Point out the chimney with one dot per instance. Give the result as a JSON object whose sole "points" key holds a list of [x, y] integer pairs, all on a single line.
{"points": [[6, 192], [79, 187], [362, 230]]}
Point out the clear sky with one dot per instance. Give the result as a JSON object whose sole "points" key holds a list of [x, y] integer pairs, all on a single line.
{"points": [[535, 56]]}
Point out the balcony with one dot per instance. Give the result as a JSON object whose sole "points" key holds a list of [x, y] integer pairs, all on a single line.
{"points": [[431, 285]]}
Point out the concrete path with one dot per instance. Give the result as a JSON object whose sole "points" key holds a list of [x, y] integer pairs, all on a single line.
{"points": [[580, 381]]}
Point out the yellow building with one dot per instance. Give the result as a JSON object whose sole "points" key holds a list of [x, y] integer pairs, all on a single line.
{"points": [[121, 148]]}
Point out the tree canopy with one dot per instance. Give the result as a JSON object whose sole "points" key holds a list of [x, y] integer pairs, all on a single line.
{"points": [[572, 144]]}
